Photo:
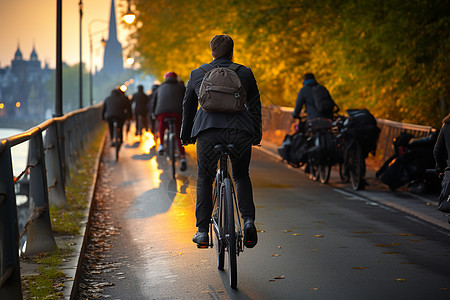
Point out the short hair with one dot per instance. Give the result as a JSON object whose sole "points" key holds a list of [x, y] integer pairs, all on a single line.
{"points": [[140, 87], [222, 46], [308, 76]]}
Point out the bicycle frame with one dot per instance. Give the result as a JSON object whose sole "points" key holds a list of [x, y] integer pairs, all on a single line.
{"points": [[223, 173], [171, 141], [223, 222]]}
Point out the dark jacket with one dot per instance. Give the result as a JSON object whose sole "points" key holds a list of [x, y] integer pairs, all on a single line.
{"points": [[140, 100], [168, 98], [305, 97], [196, 121], [115, 106], [442, 148]]}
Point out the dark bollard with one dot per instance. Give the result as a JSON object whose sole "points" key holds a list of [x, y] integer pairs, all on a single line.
{"points": [[39, 231], [53, 162], [10, 284]]}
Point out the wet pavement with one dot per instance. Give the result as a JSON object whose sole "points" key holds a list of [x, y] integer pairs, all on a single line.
{"points": [[315, 241]]}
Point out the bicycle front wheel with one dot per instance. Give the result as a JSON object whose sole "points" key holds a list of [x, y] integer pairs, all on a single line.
{"points": [[218, 221], [231, 233], [355, 159]]}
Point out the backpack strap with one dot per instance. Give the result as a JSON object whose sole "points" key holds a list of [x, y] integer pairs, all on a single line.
{"points": [[206, 67], [234, 66], [209, 67]]}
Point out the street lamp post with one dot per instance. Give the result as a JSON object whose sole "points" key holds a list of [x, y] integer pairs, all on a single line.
{"points": [[58, 85], [91, 96], [80, 5]]}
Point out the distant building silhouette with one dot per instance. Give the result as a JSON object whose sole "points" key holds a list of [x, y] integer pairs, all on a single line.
{"points": [[113, 59], [23, 89]]}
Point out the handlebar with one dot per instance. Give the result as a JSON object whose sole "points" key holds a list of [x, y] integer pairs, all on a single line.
{"points": [[431, 171]]}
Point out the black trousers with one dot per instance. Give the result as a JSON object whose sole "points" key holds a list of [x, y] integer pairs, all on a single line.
{"points": [[207, 159]]}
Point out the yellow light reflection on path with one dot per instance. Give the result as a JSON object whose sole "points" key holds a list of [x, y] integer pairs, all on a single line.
{"points": [[148, 142]]}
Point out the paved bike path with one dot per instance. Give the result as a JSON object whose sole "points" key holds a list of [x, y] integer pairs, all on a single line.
{"points": [[184, 256]]}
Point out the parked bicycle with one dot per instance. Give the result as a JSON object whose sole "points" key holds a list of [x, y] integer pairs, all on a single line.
{"points": [[226, 222], [321, 149], [407, 166], [356, 136], [352, 166]]}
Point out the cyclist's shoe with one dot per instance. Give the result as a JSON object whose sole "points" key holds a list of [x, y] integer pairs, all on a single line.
{"points": [[183, 164], [250, 235], [201, 239], [161, 149]]}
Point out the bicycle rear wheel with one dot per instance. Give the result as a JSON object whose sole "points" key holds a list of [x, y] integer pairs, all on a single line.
{"points": [[356, 166], [324, 172], [313, 170], [117, 139], [171, 149], [343, 173], [231, 233]]}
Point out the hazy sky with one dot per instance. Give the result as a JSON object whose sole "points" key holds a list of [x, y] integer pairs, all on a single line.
{"points": [[33, 22]]}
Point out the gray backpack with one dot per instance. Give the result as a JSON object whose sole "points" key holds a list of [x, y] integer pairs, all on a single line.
{"points": [[221, 90]]}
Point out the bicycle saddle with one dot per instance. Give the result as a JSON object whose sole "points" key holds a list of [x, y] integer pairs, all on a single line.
{"points": [[223, 147]]}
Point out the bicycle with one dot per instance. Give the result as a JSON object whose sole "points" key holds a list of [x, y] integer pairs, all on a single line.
{"points": [[117, 139], [321, 149], [225, 222], [352, 165], [170, 143]]}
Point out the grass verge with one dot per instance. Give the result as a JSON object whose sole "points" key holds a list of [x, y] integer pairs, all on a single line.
{"points": [[49, 282]]}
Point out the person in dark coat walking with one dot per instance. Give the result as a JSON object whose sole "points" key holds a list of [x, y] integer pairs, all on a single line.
{"points": [[167, 103], [242, 129], [115, 107], [139, 101], [442, 147]]}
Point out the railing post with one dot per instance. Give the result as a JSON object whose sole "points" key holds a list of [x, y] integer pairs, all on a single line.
{"points": [[53, 161], [10, 282], [39, 232], [62, 152]]}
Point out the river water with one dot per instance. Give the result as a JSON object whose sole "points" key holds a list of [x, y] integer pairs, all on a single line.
{"points": [[19, 156]]}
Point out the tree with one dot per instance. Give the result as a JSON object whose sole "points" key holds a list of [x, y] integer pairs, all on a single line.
{"points": [[389, 56]]}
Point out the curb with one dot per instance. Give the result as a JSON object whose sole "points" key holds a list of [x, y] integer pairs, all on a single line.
{"points": [[70, 290]]}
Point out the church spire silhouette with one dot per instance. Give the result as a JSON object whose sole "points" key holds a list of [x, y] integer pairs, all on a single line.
{"points": [[112, 59]]}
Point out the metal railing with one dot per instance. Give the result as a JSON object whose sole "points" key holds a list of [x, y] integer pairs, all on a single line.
{"points": [[49, 162], [392, 129]]}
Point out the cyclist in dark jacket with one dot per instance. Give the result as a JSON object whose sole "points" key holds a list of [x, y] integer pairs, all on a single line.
{"points": [[210, 128], [167, 102], [115, 107], [305, 98]]}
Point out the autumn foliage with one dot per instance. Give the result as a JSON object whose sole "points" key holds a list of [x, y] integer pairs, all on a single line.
{"points": [[391, 57]]}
